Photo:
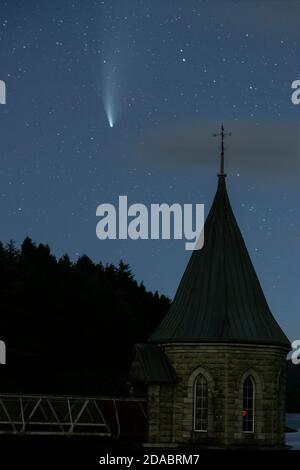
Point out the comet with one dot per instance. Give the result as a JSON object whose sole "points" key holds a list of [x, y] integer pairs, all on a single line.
{"points": [[109, 115], [110, 122], [115, 71], [111, 99]]}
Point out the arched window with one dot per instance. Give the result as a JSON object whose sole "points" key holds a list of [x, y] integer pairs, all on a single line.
{"points": [[248, 404], [200, 403]]}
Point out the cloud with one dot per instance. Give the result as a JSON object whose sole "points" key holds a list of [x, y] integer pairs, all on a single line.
{"points": [[268, 16], [269, 150]]}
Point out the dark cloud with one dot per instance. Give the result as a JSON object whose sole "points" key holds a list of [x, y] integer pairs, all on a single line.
{"points": [[273, 16], [268, 150]]}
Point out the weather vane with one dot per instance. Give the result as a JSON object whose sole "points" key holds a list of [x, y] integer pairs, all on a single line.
{"points": [[222, 134]]}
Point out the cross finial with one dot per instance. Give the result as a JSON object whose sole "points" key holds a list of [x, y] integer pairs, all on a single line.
{"points": [[222, 134]]}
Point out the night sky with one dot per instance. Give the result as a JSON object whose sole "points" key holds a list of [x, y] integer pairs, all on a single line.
{"points": [[166, 74]]}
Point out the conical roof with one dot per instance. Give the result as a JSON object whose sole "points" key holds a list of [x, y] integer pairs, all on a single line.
{"points": [[219, 298]]}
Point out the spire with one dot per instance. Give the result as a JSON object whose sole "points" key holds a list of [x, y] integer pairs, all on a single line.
{"points": [[222, 134], [219, 297]]}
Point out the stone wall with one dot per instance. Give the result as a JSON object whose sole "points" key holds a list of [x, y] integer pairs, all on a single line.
{"points": [[225, 366]]}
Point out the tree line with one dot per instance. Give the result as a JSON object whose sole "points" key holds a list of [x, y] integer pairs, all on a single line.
{"points": [[70, 327]]}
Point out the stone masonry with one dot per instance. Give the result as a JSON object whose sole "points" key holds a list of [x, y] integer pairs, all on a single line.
{"points": [[170, 407]]}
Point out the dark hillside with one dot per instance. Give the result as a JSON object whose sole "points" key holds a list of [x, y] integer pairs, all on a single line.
{"points": [[70, 327]]}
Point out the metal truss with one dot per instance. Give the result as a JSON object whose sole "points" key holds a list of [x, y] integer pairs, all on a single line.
{"points": [[62, 415]]}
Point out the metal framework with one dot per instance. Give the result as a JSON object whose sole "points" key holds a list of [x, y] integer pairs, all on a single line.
{"points": [[64, 415]]}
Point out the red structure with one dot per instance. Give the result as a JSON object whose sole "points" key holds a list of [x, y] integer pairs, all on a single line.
{"points": [[117, 418]]}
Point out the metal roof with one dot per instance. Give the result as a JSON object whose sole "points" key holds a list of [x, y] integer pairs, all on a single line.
{"points": [[153, 365], [219, 297]]}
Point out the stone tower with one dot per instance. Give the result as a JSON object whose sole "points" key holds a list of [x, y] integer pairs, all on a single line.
{"points": [[214, 369]]}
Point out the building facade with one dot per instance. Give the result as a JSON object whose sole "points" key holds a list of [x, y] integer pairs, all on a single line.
{"points": [[213, 371]]}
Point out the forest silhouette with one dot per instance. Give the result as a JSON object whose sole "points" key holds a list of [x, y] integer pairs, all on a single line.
{"points": [[70, 327]]}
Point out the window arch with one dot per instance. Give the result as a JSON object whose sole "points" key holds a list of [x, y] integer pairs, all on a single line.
{"points": [[248, 404], [200, 403]]}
